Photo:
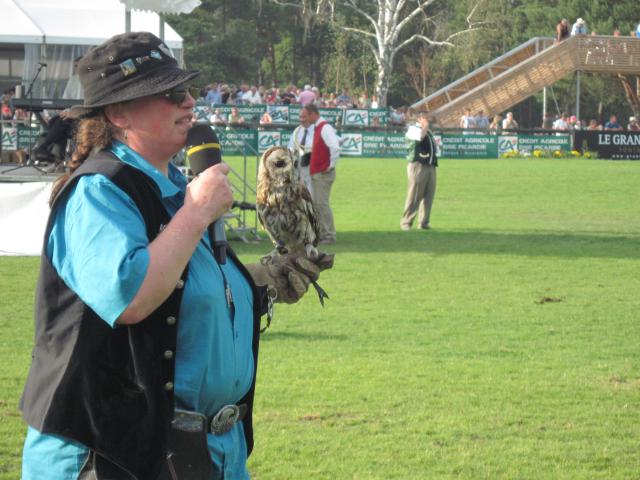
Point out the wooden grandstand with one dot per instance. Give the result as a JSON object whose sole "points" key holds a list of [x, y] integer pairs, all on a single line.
{"points": [[527, 69]]}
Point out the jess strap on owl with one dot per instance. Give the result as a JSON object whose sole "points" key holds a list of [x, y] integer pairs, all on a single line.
{"points": [[288, 276]]}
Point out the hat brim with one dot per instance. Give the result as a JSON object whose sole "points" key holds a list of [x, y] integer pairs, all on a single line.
{"points": [[156, 81]]}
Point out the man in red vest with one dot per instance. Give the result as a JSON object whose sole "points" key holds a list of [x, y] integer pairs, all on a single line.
{"points": [[325, 150]]}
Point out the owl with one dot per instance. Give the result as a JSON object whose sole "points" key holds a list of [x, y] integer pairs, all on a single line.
{"points": [[284, 204], [285, 208]]}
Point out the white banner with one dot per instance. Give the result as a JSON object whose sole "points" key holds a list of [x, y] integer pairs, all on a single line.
{"points": [[24, 210]]}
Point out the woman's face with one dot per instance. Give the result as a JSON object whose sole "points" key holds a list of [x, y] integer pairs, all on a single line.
{"points": [[157, 128]]}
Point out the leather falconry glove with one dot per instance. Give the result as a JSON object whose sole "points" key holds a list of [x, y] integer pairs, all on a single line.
{"points": [[288, 276]]}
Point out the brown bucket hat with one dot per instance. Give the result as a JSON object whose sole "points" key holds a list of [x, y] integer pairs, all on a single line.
{"points": [[125, 67]]}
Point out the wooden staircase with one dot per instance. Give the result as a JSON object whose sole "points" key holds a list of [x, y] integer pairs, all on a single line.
{"points": [[527, 69]]}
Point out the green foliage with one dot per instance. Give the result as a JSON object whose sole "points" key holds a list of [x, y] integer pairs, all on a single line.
{"points": [[503, 343], [261, 42]]}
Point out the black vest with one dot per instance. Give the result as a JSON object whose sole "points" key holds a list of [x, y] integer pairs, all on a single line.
{"points": [[425, 151], [111, 389]]}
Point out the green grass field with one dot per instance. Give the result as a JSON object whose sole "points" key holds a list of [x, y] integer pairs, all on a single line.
{"points": [[504, 343]]}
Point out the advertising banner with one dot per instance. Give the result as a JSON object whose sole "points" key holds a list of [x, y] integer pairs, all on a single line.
{"points": [[529, 143], [613, 145], [239, 142], [9, 138], [27, 136], [279, 114], [469, 146]]}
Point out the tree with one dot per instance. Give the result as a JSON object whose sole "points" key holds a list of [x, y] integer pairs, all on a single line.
{"points": [[387, 27]]}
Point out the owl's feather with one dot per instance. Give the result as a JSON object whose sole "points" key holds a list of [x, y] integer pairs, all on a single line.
{"points": [[284, 205], [285, 208]]}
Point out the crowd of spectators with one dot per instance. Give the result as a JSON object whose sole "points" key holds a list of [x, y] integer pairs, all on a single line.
{"points": [[218, 93], [566, 123]]}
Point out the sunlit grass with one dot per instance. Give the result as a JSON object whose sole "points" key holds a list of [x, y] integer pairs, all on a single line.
{"points": [[501, 344]]}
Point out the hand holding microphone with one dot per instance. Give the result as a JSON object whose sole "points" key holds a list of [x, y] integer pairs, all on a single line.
{"points": [[211, 189]]}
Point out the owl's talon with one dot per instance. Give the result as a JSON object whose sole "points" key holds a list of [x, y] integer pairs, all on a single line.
{"points": [[312, 252]]}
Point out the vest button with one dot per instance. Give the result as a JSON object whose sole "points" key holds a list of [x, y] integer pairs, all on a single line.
{"points": [[168, 386], [180, 284], [171, 320], [168, 354]]}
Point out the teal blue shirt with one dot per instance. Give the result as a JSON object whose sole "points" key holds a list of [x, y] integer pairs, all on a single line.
{"points": [[98, 246]]}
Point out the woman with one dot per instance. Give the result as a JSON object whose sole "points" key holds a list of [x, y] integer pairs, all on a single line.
{"points": [[146, 348]]}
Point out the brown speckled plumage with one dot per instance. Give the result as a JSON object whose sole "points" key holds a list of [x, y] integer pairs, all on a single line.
{"points": [[284, 204]]}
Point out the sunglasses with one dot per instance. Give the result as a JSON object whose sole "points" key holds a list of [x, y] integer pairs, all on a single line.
{"points": [[178, 94]]}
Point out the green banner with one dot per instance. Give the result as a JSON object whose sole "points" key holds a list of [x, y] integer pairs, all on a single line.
{"points": [[9, 137], [362, 117], [27, 136], [373, 144], [467, 146], [529, 143]]}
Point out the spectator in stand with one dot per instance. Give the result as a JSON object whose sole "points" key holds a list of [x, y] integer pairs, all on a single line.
{"points": [[374, 102], [364, 101], [637, 32], [266, 119], [225, 92], [332, 101], [217, 118], [235, 95], [594, 125], [573, 123], [271, 96], [509, 123], [561, 123], [633, 125], [235, 118], [495, 127], [214, 94], [579, 28], [289, 97], [467, 121], [397, 116], [613, 124], [344, 100], [319, 101], [251, 96], [307, 96], [547, 122], [7, 114], [481, 121], [562, 30]]}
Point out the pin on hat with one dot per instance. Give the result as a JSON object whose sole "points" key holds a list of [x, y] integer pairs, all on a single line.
{"points": [[125, 67]]}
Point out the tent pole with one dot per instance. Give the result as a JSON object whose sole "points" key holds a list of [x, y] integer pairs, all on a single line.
{"points": [[127, 20], [161, 29]]}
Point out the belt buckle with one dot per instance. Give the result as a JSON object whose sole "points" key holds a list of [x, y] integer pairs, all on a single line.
{"points": [[187, 421], [225, 419]]}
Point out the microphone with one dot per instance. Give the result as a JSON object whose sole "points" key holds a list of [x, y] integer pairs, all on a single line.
{"points": [[203, 151]]}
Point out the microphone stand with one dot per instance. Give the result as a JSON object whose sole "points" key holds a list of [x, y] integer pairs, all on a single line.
{"points": [[30, 162]]}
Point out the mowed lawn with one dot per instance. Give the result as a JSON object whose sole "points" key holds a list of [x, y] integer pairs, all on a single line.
{"points": [[503, 343]]}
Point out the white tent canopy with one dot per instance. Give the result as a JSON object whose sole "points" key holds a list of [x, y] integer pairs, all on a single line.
{"points": [[74, 22], [55, 32]]}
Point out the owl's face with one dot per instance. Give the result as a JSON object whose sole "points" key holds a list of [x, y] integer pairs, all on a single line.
{"points": [[279, 164]]}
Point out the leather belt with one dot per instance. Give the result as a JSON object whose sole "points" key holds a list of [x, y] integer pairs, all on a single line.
{"points": [[217, 424]]}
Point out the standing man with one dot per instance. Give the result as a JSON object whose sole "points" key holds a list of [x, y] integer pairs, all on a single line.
{"points": [[421, 171], [300, 142], [325, 150]]}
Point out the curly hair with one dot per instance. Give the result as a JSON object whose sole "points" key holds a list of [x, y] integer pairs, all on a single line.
{"points": [[93, 133]]}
